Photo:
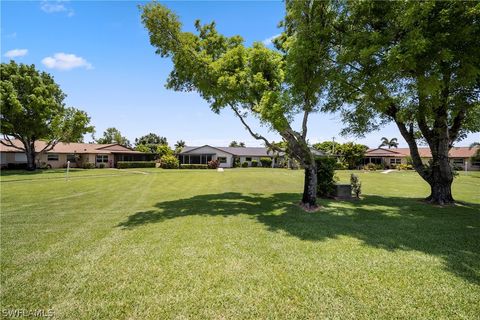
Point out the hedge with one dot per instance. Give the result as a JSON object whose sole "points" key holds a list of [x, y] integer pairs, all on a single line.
{"points": [[193, 166], [325, 176], [135, 164]]}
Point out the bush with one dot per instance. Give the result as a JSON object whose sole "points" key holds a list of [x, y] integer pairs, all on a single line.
{"points": [[102, 165], [16, 166], [325, 176], [213, 164], [379, 166], [45, 165], [88, 165], [339, 165], [244, 164], [236, 163], [404, 166], [356, 185], [135, 164], [193, 166], [370, 167], [254, 163], [169, 162], [266, 162]]}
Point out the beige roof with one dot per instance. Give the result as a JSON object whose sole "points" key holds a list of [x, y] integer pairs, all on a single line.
{"points": [[74, 148], [455, 152]]}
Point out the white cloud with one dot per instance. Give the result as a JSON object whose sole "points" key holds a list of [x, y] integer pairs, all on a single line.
{"points": [[16, 53], [267, 42], [64, 61], [56, 7]]}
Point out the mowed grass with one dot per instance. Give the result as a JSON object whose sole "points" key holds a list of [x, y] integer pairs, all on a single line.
{"points": [[160, 244]]}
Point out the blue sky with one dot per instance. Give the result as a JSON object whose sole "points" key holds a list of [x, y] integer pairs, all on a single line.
{"points": [[100, 55]]}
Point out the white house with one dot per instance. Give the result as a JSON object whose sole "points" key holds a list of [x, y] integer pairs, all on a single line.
{"points": [[226, 156]]}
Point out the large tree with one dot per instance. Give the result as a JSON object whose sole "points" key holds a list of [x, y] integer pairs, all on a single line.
{"points": [[416, 64], [113, 135], [270, 85], [150, 139], [32, 109]]}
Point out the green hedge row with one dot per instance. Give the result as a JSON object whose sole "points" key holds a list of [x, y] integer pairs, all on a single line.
{"points": [[135, 164], [193, 166]]}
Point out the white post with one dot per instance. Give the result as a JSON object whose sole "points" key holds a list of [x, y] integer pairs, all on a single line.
{"points": [[68, 168], [466, 166]]}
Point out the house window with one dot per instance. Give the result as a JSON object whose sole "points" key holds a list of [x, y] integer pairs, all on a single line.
{"points": [[248, 159], [476, 162], [71, 158], [458, 161], [102, 158], [222, 159], [395, 161], [52, 157]]}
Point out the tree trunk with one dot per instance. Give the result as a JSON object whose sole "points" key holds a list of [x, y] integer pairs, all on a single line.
{"points": [[309, 199], [440, 180], [30, 153]]}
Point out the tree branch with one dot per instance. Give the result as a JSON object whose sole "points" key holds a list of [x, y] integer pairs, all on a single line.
{"points": [[457, 125], [304, 124], [10, 143], [253, 134]]}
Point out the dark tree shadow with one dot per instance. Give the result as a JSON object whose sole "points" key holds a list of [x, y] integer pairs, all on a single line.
{"points": [[390, 223]]}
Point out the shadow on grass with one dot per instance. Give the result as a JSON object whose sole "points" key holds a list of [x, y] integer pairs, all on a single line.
{"points": [[390, 223]]}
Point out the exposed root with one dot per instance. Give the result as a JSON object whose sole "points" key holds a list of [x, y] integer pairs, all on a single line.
{"points": [[309, 208]]}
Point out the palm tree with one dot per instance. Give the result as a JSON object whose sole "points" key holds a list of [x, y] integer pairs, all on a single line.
{"points": [[389, 143], [180, 144]]}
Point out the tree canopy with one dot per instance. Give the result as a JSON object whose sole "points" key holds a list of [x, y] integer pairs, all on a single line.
{"points": [[413, 63], [151, 138], [271, 85], [237, 144], [113, 135], [389, 143], [32, 108]]}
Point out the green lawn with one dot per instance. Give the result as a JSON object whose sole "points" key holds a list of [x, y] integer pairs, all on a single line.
{"points": [[160, 244]]}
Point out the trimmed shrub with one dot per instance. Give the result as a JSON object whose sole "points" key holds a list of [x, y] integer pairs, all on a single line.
{"points": [[135, 164], [404, 167], [169, 162], [88, 165], [16, 166], [213, 164], [254, 163], [102, 165], [244, 164], [193, 166], [356, 185], [325, 176], [266, 162], [370, 167]]}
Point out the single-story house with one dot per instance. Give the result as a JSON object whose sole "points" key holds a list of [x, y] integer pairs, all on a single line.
{"points": [[76, 153], [460, 157], [227, 156]]}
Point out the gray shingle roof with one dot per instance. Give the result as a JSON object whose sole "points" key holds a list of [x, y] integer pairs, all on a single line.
{"points": [[247, 151]]}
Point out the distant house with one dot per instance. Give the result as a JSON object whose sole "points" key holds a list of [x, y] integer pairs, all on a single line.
{"points": [[76, 153], [227, 156], [460, 157]]}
